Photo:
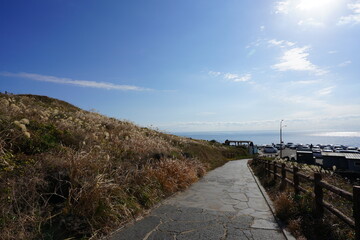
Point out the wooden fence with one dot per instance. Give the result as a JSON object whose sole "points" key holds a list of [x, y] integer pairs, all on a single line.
{"points": [[319, 185]]}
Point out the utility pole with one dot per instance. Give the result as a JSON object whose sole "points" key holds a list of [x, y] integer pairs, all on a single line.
{"points": [[281, 138]]}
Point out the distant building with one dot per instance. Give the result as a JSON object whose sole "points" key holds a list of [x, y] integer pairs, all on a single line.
{"points": [[306, 157], [342, 161]]}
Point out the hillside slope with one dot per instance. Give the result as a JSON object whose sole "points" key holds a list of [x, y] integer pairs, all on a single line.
{"points": [[66, 172]]}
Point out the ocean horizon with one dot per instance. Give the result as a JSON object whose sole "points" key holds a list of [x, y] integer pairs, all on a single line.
{"points": [[347, 138]]}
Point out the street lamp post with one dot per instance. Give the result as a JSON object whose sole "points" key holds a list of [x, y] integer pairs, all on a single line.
{"points": [[281, 141]]}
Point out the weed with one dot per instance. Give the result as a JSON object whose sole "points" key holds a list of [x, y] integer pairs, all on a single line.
{"points": [[284, 206]]}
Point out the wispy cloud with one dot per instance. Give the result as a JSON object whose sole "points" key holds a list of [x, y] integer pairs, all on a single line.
{"points": [[82, 83], [353, 17], [306, 82], [237, 78], [214, 74], [344, 64], [311, 22], [296, 59], [231, 76], [315, 13], [281, 43], [325, 91], [282, 7], [255, 43], [337, 134]]}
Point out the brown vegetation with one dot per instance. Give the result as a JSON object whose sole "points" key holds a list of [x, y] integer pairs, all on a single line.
{"points": [[297, 211], [70, 173]]}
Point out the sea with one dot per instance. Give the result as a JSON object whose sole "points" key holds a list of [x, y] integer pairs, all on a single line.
{"points": [[346, 138]]}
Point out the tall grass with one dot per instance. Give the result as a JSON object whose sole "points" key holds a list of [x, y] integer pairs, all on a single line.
{"points": [[66, 172]]}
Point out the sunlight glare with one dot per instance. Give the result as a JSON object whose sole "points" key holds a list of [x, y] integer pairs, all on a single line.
{"points": [[317, 6]]}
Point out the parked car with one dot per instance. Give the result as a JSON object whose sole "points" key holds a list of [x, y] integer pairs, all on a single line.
{"points": [[293, 146], [270, 149], [289, 144], [280, 146], [298, 145], [316, 149], [304, 148], [327, 149], [352, 148], [322, 146], [338, 149]]}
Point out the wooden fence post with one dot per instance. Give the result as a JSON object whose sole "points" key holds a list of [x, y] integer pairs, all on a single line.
{"points": [[275, 170], [268, 168], [296, 180], [356, 210], [283, 177], [319, 195]]}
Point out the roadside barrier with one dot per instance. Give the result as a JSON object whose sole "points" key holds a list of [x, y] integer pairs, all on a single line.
{"points": [[319, 185]]}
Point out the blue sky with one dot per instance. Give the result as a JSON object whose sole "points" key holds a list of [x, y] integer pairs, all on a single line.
{"points": [[190, 65]]}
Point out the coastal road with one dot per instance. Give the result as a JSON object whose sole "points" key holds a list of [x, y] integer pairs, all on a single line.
{"points": [[226, 204]]}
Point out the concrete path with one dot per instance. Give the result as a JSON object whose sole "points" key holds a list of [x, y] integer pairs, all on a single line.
{"points": [[226, 204]]}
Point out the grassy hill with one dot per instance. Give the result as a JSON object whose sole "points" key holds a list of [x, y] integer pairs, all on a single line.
{"points": [[70, 173]]}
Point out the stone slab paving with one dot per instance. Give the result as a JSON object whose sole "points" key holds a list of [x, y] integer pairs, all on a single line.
{"points": [[226, 204]]}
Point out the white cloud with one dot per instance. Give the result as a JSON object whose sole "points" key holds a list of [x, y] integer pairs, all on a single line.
{"points": [[296, 59], [355, 7], [311, 22], [308, 99], [237, 78], [353, 17], [317, 6], [306, 82], [262, 28], [82, 83], [343, 64], [302, 99], [214, 74], [231, 76], [281, 43], [337, 134], [325, 91], [316, 13], [332, 52], [282, 7]]}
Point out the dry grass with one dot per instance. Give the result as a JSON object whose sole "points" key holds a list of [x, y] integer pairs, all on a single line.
{"points": [[297, 210], [65, 172], [284, 206]]}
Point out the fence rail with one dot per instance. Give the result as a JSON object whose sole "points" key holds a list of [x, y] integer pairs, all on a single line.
{"points": [[318, 192]]}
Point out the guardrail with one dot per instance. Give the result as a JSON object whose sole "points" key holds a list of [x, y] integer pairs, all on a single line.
{"points": [[318, 193]]}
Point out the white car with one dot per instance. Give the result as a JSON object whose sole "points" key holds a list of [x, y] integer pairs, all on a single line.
{"points": [[270, 149], [327, 149], [316, 149]]}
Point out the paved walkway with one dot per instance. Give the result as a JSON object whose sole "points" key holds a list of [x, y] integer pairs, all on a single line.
{"points": [[224, 205]]}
